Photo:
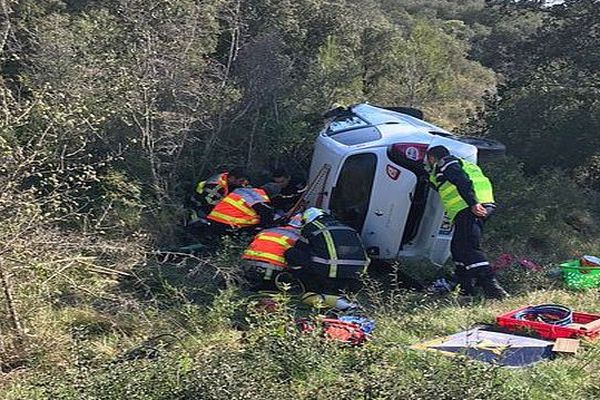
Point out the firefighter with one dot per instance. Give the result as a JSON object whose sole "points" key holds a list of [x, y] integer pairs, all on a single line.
{"points": [[329, 257], [244, 208], [292, 188], [211, 191], [265, 255], [468, 199]]}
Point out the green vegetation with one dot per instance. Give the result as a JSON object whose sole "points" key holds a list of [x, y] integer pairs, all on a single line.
{"points": [[111, 109]]}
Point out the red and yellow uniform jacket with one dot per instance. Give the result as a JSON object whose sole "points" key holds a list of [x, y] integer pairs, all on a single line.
{"points": [[236, 209], [270, 245]]}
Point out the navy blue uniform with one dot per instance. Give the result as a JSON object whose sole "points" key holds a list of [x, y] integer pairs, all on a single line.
{"points": [[472, 265]]}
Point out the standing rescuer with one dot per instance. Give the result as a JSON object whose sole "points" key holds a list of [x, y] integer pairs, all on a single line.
{"points": [[468, 199]]}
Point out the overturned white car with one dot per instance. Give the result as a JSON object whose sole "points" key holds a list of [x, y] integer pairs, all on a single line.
{"points": [[369, 173]]}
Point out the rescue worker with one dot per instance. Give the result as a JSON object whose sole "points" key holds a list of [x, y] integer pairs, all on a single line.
{"points": [[468, 199], [292, 188], [244, 208], [329, 257], [265, 256], [211, 191]]}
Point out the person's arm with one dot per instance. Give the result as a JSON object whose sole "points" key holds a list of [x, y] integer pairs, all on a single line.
{"points": [[295, 187], [200, 196], [197, 195], [455, 175], [266, 214]]}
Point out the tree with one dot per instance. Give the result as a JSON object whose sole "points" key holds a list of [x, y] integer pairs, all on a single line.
{"points": [[503, 26], [429, 70], [547, 111]]}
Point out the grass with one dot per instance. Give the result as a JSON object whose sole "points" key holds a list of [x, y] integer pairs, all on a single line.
{"points": [[174, 334], [181, 328]]}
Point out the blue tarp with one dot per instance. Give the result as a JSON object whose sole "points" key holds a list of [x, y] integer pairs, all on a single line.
{"points": [[493, 347]]}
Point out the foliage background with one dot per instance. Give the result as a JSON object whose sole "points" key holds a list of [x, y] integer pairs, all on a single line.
{"points": [[110, 110]]}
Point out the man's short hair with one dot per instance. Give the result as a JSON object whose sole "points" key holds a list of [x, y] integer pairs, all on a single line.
{"points": [[438, 152], [238, 172], [279, 173]]}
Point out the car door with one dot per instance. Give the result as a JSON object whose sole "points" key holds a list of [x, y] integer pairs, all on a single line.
{"points": [[373, 196], [391, 199]]}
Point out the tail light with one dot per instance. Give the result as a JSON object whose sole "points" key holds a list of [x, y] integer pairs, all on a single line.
{"points": [[409, 151]]}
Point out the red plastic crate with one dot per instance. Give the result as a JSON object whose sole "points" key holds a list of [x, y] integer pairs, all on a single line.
{"points": [[548, 331]]}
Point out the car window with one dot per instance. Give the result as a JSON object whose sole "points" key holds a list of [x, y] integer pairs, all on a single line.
{"points": [[358, 136], [352, 193]]}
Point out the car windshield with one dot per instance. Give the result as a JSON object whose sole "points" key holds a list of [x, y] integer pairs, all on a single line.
{"points": [[344, 123]]}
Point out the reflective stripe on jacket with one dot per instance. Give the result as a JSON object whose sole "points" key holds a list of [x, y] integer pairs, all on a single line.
{"points": [[270, 245], [336, 249], [236, 208], [214, 189], [449, 194]]}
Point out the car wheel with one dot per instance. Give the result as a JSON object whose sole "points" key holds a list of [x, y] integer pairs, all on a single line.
{"points": [[487, 149]]}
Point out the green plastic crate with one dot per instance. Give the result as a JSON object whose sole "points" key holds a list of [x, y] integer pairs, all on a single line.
{"points": [[578, 277]]}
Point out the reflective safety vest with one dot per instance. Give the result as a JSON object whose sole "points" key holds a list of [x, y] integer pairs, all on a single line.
{"points": [[336, 249], [451, 198], [214, 189], [269, 247], [236, 208]]}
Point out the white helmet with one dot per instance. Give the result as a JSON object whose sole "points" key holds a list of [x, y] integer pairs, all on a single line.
{"points": [[311, 214]]}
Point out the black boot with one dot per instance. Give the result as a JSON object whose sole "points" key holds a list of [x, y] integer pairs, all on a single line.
{"points": [[465, 280], [486, 279]]}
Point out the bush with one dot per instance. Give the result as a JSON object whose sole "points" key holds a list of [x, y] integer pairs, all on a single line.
{"points": [[547, 215]]}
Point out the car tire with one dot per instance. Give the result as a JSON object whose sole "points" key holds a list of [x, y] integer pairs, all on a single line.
{"points": [[487, 149]]}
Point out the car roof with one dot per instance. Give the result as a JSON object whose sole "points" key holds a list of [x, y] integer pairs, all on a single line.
{"points": [[365, 126], [381, 116]]}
